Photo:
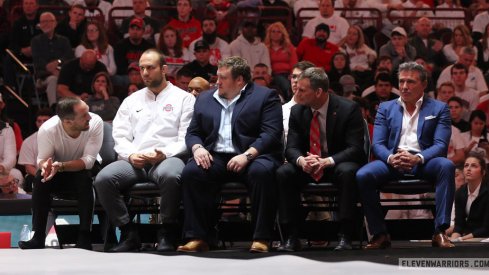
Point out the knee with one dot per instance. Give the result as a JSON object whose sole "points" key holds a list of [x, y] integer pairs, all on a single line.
{"points": [[103, 179], [190, 172], [259, 171]]}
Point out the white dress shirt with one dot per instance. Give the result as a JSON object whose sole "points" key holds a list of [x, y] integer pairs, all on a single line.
{"points": [[471, 198], [224, 142]]}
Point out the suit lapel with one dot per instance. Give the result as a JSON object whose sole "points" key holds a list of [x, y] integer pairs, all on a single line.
{"points": [[241, 102], [331, 119], [423, 112]]}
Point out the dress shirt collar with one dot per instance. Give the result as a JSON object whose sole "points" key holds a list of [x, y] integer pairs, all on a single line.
{"points": [[225, 102], [323, 110], [418, 103]]}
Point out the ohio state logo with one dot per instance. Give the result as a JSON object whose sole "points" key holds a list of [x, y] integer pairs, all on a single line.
{"points": [[168, 108]]}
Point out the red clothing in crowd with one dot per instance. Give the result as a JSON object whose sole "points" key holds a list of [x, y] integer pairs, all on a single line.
{"points": [[309, 51], [189, 31], [281, 60]]}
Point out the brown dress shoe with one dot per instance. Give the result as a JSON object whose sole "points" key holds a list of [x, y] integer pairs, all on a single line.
{"points": [[194, 246], [259, 247], [379, 241], [441, 240]]}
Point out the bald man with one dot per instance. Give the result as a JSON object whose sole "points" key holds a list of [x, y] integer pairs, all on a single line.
{"points": [[47, 49], [198, 85], [76, 75]]}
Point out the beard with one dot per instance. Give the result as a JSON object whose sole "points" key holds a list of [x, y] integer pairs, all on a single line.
{"points": [[154, 83], [210, 38], [320, 39]]}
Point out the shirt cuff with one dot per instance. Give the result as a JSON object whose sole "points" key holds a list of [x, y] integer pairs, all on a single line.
{"points": [[331, 161], [389, 158], [421, 157], [297, 161]]}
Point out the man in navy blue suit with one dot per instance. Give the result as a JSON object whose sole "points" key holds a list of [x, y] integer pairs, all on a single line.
{"points": [[235, 134], [411, 137]]}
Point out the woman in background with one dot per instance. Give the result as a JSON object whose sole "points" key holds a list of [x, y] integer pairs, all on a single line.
{"points": [[472, 202], [282, 54], [101, 103], [95, 37], [171, 45]]}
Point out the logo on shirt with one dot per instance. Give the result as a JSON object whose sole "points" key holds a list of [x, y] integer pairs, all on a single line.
{"points": [[168, 108]]}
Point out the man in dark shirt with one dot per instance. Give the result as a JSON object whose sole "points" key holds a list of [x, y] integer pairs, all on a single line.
{"points": [[48, 51], [201, 66], [129, 50], [74, 25], [23, 30], [151, 26], [383, 92], [455, 104], [75, 77]]}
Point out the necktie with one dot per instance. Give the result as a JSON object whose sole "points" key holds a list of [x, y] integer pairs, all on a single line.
{"points": [[315, 142]]}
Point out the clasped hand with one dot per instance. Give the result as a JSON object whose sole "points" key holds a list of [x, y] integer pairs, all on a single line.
{"points": [[311, 164], [49, 169], [404, 161], [140, 160]]}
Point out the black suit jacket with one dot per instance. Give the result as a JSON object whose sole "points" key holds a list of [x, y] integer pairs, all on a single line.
{"points": [[438, 58], [256, 121], [344, 131], [477, 222]]}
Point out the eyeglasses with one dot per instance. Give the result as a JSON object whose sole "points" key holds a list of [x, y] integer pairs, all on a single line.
{"points": [[47, 21]]}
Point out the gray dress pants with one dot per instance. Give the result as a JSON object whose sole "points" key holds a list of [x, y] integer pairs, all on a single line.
{"points": [[120, 176]]}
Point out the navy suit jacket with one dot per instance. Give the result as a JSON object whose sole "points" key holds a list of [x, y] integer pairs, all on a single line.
{"points": [[256, 121], [434, 129], [344, 131]]}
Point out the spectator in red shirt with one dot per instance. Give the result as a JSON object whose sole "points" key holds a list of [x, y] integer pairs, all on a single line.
{"points": [[187, 26], [318, 50]]}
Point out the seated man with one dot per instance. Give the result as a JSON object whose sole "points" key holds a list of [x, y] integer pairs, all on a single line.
{"points": [[244, 146], [49, 50], [197, 85], [28, 151], [149, 131], [411, 137], [68, 146], [76, 76], [201, 65], [324, 143]]}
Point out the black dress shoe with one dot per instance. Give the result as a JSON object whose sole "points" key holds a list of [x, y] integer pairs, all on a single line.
{"points": [[32, 244], [291, 245], [84, 240], [128, 245], [344, 243], [165, 245]]}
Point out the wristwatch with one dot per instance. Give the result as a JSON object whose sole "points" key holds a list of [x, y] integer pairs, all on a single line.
{"points": [[249, 156]]}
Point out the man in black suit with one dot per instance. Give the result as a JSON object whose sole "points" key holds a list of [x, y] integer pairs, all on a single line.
{"points": [[332, 151], [235, 134]]}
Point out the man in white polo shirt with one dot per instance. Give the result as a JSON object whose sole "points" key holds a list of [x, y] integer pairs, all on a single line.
{"points": [[149, 134]]}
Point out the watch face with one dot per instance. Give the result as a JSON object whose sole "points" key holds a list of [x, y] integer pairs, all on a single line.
{"points": [[249, 156]]}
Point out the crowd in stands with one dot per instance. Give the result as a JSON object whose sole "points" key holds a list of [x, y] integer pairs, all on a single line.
{"points": [[92, 50]]}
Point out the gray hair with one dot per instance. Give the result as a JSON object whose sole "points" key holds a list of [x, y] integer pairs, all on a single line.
{"points": [[413, 66], [468, 50], [317, 78], [65, 107], [238, 66]]}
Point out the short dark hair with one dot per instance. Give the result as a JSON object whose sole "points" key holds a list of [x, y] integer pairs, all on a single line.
{"points": [[261, 65], [238, 66], [317, 78], [383, 76], [459, 66], [161, 57], [65, 107], [303, 65], [184, 72], [456, 99], [415, 67]]}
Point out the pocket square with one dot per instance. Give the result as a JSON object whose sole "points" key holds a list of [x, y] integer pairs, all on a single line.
{"points": [[429, 117]]}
